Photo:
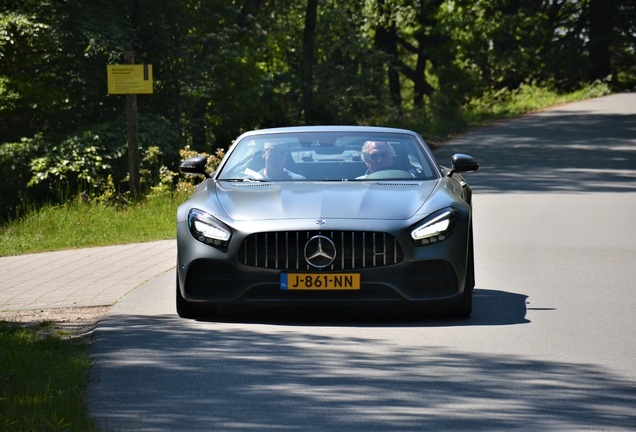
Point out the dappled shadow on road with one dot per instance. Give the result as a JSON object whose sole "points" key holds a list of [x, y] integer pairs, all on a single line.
{"points": [[166, 373], [490, 308], [554, 151]]}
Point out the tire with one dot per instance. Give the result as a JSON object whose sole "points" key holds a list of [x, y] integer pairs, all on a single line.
{"points": [[464, 306]]}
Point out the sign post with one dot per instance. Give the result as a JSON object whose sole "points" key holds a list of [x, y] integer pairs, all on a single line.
{"points": [[131, 79]]}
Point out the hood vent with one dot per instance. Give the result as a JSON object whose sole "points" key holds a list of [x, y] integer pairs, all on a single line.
{"points": [[250, 184]]}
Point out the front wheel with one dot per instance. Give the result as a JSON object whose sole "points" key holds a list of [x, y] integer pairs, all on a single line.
{"points": [[464, 306]]}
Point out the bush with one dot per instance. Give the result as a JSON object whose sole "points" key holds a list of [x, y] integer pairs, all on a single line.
{"points": [[15, 160]]}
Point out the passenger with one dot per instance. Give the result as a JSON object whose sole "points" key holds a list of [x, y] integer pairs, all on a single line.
{"points": [[275, 156]]}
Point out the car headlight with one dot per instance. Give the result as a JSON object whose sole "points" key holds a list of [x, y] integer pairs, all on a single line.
{"points": [[207, 229], [435, 228]]}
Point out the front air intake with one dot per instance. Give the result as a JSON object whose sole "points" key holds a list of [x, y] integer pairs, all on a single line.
{"points": [[353, 250]]}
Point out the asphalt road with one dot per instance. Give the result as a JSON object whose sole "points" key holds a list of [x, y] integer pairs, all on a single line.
{"points": [[551, 344]]}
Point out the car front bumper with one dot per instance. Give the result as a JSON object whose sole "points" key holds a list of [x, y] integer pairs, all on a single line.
{"points": [[425, 273]]}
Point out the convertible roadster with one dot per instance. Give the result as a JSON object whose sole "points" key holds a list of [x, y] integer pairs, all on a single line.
{"points": [[327, 215]]}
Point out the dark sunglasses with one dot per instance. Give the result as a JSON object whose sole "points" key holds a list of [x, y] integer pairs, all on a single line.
{"points": [[378, 156]]}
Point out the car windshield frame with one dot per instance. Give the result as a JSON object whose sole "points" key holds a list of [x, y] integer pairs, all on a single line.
{"points": [[328, 156]]}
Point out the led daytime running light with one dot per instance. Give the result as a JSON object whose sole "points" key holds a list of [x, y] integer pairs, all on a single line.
{"points": [[435, 230], [206, 229]]}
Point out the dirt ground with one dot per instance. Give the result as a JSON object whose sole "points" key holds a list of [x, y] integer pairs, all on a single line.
{"points": [[66, 322]]}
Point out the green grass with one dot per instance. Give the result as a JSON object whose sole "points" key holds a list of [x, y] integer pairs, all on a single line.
{"points": [[79, 224], [527, 98], [42, 381], [497, 105]]}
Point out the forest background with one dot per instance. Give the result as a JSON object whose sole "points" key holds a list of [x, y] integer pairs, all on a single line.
{"points": [[222, 67]]}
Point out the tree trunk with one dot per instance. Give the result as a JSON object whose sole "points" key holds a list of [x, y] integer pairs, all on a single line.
{"points": [[309, 37], [394, 72], [600, 38], [386, 41], [420, 86]]}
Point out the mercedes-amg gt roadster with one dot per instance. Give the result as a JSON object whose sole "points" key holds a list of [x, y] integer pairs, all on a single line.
{"points": [[327, 215]]}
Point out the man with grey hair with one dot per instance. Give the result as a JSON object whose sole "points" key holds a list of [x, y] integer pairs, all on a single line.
{"points": [[378, 156]]}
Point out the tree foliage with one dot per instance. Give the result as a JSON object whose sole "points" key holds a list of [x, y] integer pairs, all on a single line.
{"points": [[222, 67]]}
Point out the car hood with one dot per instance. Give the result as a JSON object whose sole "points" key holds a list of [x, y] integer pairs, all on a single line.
{"points": [[337, 200]]}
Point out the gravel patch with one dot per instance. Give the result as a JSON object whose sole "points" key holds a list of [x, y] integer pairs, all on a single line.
{"points": [[65, 322]]}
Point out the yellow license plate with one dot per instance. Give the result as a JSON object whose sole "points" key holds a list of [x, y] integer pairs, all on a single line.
{"points": [[320, 281]]}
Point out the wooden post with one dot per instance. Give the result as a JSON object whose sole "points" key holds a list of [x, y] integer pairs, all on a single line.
{"points": [[133, 137]]}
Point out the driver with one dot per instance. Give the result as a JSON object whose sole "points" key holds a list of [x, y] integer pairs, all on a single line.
{"points": [[377, 155]]}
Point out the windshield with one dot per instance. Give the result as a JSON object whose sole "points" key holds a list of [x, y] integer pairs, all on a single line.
{"points": [[325, 156]]}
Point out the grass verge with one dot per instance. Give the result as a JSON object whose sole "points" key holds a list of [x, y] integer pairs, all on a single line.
{"points": [[42, 380], [79, 224], [438, 126]]}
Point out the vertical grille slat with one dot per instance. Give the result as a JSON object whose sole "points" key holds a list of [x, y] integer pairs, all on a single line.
{"points": [[276, 246], [286, 250], [297, 251], [342, 250], [395, 250], [364, 250], [384, 247], [256, 251], [354, 250]]}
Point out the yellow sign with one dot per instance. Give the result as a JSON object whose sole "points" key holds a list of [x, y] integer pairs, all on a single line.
{"points": [[129, 79]]}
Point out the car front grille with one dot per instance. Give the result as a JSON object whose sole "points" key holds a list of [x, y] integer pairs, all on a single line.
{"points": [[353, 250]]}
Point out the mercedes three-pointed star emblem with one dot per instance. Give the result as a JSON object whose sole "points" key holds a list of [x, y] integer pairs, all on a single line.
{"points": [[320, 251]]}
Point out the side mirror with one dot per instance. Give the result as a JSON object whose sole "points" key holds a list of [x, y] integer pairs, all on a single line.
{"points": [[463, 163], [195, 165]]}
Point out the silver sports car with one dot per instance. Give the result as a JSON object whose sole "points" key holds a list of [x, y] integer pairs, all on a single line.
{"points": [[327, 215]]}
